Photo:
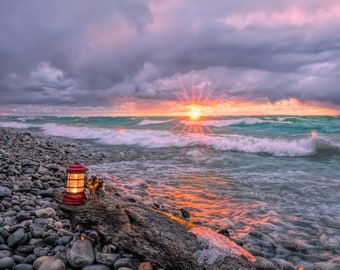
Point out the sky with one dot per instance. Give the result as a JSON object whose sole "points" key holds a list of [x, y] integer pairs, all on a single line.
{"points": [[155, 57]]}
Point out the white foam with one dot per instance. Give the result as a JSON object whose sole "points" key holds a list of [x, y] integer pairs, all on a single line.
{"points": [[153, 122], [272, 146], [16, 125], [289, 147], [230, 122]]}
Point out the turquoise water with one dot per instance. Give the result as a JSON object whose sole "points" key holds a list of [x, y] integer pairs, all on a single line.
{"points": [[277, 175]]}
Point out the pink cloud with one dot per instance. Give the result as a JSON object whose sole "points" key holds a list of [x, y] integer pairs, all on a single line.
{"points": [[291, 16]]}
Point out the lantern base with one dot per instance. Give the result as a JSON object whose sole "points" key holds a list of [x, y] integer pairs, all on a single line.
{"points": [[74, 198]]}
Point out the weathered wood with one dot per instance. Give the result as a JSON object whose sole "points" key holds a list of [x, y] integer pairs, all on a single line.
{"points": [[148, 234]]}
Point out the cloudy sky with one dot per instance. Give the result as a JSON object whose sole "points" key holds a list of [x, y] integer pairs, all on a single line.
{"points": [[129, 56]]}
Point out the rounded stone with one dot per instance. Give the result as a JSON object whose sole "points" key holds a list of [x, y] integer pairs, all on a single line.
{"points": [[106, 258], [64, 240], [9, 213], [39, 251], [145, 266], [30, 259], [51, 264], [21, 216], [16, 237], [126, 262], [263, 264], [6, 263], [51, 240], [23, 266], [45, 213], [5, 253], [37, 231], [5, 192], [96, 267], [25, 249], [81, 254], [39, 261]]}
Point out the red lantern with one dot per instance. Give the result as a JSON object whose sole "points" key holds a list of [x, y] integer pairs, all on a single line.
{"points": [[75, 185]]}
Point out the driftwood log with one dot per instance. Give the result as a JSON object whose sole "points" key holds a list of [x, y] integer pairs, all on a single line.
{"points": [[166, 241]]}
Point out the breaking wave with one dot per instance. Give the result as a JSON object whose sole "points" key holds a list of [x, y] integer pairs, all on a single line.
{"points": [[288, 147], [270, 145]]}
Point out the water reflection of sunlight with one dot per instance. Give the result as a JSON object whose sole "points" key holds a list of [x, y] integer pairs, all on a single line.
{"points": [[210, 207]]}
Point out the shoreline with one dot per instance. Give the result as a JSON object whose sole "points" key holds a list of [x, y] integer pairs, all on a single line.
{"points": [[33, 232]]}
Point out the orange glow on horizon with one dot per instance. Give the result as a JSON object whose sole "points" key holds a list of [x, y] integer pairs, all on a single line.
{"points": [[187, 106]]}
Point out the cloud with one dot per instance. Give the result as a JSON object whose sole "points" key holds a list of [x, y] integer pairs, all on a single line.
{"points": [[96, 54]]}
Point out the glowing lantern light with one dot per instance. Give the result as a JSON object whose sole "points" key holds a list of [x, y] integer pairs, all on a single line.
{"points": [[75, 185]]}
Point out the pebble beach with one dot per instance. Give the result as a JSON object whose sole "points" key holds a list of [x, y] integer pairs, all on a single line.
{"points": [[33, 232]]}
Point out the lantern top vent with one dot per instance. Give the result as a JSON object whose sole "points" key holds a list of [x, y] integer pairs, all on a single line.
{"points": [[77, 168]]}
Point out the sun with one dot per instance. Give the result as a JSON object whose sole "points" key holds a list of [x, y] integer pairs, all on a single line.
{"points": [[194, 112]]}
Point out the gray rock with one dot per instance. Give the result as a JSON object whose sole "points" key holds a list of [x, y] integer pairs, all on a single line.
{"points": [[48, 263], [6, 263], [81, 254], [51, 240], [106, 258], [18, 258], [9, 213], [29, 171], [41, 221], [45, 213], [126, 262], [45, 193], [39, 251], [96, 267], [263, 264], [45, 178], [30, 259], [16, 238], [21, 216], [64, 240], [25, 249], [282, 264], [37, 231], [23, 266], [5, 253]]}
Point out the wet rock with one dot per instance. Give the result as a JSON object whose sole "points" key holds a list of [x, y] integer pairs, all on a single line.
{"points": [[81, 254], [282, 264], [263, 264], [6, 263], [289, 244], [224, 232], [185, 212]]}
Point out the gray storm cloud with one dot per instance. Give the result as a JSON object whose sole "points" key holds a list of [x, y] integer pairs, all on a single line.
{"points": [[91, 53]]}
